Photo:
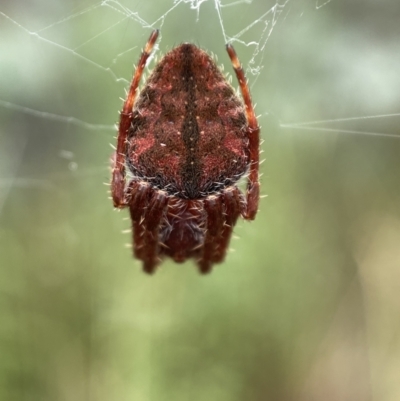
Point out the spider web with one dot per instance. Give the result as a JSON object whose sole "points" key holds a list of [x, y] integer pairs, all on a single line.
{"points": [[106, 20], [324, 75], [106, 50]]}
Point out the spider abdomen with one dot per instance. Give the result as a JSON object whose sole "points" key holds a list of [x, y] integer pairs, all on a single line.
{"points": [[188, 131]]}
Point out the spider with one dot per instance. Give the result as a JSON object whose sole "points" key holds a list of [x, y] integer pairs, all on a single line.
{"points": [[183, 143]]}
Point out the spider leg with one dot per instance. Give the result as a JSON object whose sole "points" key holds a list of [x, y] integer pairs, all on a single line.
{"points": [[233, 205], [253, 133], [140, 194], [213, 208], [148, 208], [118, 170], [222, 213]]}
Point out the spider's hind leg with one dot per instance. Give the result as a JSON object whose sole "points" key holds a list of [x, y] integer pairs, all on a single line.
{"points": [[222, 212], [214, 222], [233, 205], [147, 208]]}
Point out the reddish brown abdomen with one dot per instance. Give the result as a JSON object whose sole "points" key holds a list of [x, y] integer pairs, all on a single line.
{"points": [[188, 131]]}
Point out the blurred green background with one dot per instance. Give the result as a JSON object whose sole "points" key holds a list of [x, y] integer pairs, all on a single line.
{"points": [[305, 308]]}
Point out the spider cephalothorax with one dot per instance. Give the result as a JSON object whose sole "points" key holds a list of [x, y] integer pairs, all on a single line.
{"points": [[186, 139]]}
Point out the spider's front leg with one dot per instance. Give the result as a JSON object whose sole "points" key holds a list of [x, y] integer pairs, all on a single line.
{"points": [[120, 195], [253, 133], [118, 169]]}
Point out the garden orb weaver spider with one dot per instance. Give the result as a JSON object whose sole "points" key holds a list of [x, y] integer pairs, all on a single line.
{"points": [[185, 140]]}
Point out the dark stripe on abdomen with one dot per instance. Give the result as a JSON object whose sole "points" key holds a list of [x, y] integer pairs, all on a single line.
{"points": [[191, 168]]}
